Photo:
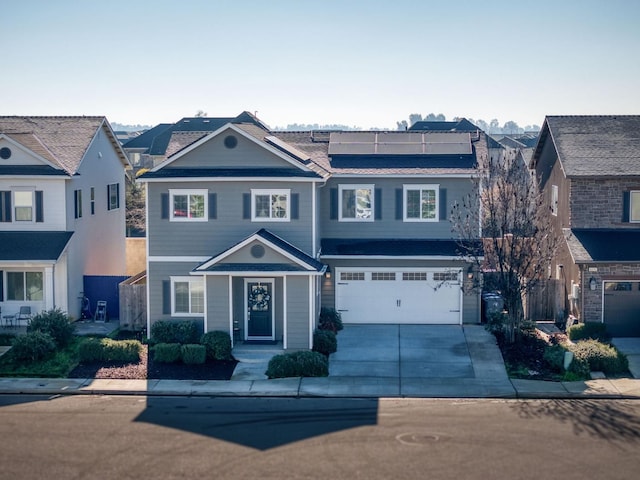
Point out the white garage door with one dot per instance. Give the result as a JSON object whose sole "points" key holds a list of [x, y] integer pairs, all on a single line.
{"points": [[426, 296]]}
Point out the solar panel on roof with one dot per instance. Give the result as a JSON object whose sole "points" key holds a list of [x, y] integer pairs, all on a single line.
{"points": [[276, 142], [399, 143]]}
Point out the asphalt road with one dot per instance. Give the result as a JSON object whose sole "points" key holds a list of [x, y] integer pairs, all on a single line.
{"points": [[107, 437]]}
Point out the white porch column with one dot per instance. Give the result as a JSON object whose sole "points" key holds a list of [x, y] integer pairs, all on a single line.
{"points": [[49, 300]]}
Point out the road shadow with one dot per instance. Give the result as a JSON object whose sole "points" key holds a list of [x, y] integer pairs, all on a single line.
{"points": [[260, 423], [611, 420]]}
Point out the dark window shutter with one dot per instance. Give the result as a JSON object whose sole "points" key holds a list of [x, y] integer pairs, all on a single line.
{"points": [[166, 297], [295, 206], [5, 206], [443, 203], [626, 206], [1, 286], [118, 195], [333, 201], [377, 199], [246, 206], [109, 197], [39, 207], [75, 203], [213, 206], [399, 204], [164, 205]]}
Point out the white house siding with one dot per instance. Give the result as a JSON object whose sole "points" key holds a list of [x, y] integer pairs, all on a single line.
{"points": [[53, 203], [298, 312]]}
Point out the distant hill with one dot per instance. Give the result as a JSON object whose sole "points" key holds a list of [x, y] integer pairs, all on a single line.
{"points": [[119, 127]]}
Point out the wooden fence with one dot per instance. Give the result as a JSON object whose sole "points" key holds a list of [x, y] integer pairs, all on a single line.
{"points": [[545, 301], [133, 303]]}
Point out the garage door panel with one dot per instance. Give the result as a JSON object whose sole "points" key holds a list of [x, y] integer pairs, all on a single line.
{"points": [[396, 296], [622, 308]]}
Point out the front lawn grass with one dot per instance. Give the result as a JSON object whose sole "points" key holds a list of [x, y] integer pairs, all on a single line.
{"points": [[58, 366]]}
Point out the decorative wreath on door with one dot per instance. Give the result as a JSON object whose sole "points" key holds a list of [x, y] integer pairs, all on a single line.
{"points": [[259, 298]]}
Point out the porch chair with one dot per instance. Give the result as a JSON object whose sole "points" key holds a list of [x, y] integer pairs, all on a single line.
{"points": [[24, 314]]}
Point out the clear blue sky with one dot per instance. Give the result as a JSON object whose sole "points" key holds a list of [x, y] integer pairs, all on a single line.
{"points": [[359, 63]]}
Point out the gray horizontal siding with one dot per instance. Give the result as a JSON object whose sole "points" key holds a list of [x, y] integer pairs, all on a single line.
{"points": [[388, 226], [211, 237], [298, 313], [218, 304]]}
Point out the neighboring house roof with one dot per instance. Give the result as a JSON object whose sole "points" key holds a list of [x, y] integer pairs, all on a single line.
{"points": [[145, 140], [302, 261], [603, 245], [462, 125], [33, 246], [63, 141], [31, 170], [593, 145], [228, 173], [390, 247]]}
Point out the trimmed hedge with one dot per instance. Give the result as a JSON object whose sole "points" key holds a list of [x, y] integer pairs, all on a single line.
{"points": [[600, 357], [554, 357], [33, 347], [171, 331], [298, 364], [54, 322], [194, 354], [325, 342], [167, 353], [217, 344], [330, 319], [594, 330], [108, 350]]}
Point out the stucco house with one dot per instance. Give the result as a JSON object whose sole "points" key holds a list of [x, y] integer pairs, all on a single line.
{"points": [[589, 168], [62, 210], [252, 231]]}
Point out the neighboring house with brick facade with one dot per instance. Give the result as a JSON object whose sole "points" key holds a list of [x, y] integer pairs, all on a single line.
{"points": [[252, 231], [589, 169]]}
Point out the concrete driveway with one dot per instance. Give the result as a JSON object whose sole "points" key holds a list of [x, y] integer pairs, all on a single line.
{"points": [[414, 358], [630, 346]]}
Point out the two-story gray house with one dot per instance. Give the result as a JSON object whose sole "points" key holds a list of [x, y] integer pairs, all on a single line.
{"points": [[62, 211], [252, 231], [589, 168]]}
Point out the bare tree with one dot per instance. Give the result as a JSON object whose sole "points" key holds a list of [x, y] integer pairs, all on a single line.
{"points": [[508, 211], [135, 208]]}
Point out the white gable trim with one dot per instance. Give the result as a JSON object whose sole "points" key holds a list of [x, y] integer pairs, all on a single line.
{"points": [[28, 151], [239, 131], [243, 244]]}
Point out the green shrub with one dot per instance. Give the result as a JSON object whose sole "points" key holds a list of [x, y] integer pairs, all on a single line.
{"points": [[330, 319], [56, 323], [217, 344], [579, 368], [594, 330], [33, 347], [109, 350], [171, 331], [554, 357], [194, 354], [167, 353], [325, 342], [6, 339], [600, 357], [298, 364]]}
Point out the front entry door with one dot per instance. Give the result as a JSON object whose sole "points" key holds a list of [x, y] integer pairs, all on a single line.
{"points": [[259, 303]]}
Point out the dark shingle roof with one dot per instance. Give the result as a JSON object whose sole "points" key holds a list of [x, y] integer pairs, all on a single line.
{"points": [[462, 125], [390, 247], [594, 145], [255, 267], [14, 170], [168, 172], [33, 246], [603, 245], [290, 249]]}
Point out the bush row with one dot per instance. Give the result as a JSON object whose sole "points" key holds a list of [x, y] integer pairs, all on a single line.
{"points": [[217, 344], [594, 330], [190, 353], [298, 364], [588, 355], [108, 350], [46, 332]]}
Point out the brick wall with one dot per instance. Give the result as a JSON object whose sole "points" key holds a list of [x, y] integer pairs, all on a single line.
{"points": [[597, 202], [592, 311]]}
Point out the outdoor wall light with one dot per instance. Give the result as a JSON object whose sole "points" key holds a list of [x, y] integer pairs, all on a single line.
{"points": [[592, 283], [327, 273]]}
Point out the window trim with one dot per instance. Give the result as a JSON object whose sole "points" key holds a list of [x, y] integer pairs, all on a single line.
{"points": [[631, 219], [270, 191], [189, 280], [15, 205], [352, 186], [77, 201], [110, 187], [420, 187], [24, 273], [554, 200], [188, 192]]}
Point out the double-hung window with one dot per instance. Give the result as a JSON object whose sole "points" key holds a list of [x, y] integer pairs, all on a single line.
{"points": [[24, 286], [23, 205], [421, 203], [634, 206], [187, 296], [271, 205], [113, 196], [188, 205], [356, 203], [554, 200]]}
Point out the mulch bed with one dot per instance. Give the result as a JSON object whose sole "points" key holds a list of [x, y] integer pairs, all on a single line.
{"points": [[526, 357], [146, 369]]}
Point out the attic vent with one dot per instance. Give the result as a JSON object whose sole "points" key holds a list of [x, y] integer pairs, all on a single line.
{"points": [[5, 153], [230, 141], [257, 251]]}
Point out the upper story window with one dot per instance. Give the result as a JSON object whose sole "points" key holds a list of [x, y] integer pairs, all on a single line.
{"points": [[356, 203], [77, 200], [634, 206], [188, 205], [421, 203], [554, 200], [270, 205], [187, 296], [113, 195], [92, 198], [23, 206]]}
